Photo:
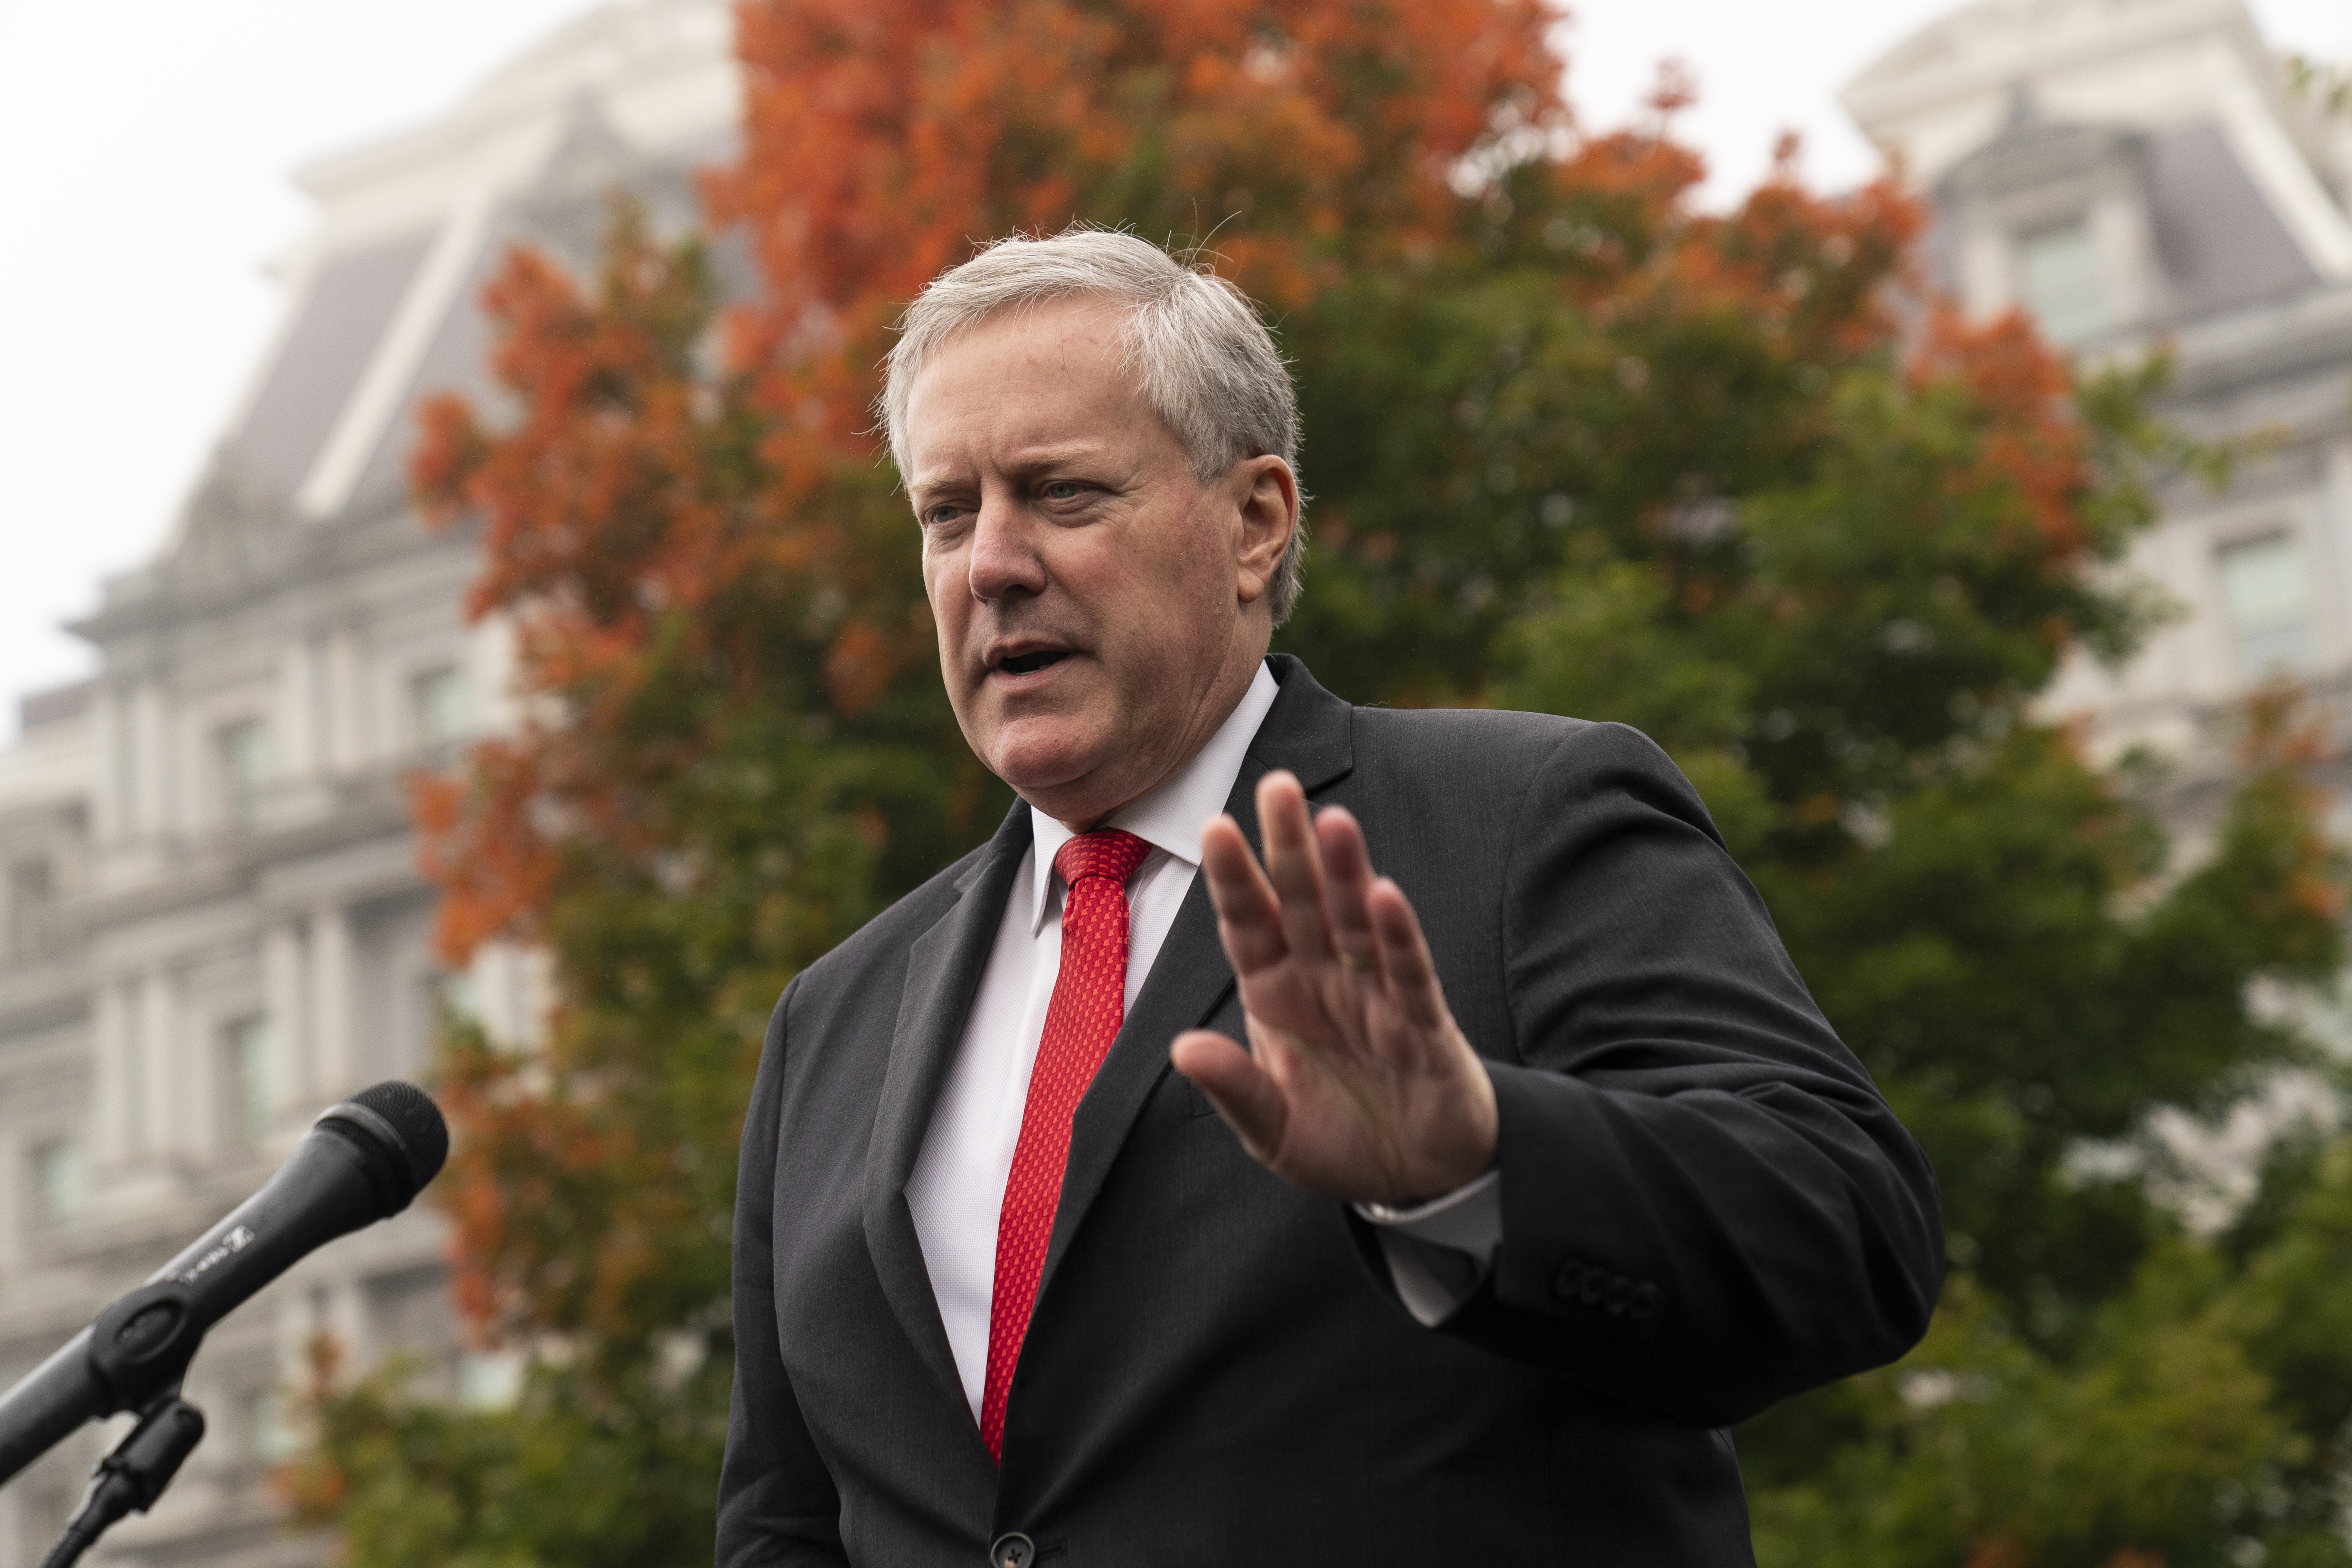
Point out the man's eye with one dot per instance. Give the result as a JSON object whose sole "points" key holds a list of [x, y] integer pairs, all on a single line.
{"points": [[1063, 489], [939, 516]]}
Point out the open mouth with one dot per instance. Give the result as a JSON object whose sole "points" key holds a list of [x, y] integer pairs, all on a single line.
{"points": [[1034, 660]]}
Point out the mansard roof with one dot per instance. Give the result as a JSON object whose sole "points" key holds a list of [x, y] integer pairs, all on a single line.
{"points": [[2218, 240], [383, 305]]}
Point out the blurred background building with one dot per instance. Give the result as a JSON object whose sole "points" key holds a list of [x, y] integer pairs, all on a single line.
{"points": [[213, 925], [2142, 171]]}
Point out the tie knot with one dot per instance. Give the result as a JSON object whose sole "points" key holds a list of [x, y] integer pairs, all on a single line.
{"points": [[1110, 852]]}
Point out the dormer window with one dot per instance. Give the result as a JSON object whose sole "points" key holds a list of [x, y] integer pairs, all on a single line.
{"points": [[2060, 280], [245, 1081], [436, 703], [57, 1183], [242, 752], [2268, 597]]}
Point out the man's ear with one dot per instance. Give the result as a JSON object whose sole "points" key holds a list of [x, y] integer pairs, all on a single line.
{"points": [[1267, 500]]}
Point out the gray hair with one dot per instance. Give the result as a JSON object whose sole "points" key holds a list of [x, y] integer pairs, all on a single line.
{"points": [[1204, 359]]}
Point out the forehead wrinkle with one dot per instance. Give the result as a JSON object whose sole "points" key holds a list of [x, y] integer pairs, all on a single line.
{"points": [[1014, 334], [1078, 407], [1019, 433]]}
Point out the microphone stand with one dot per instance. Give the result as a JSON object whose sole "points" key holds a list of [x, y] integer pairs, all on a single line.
{"points": [[131, 1478]]}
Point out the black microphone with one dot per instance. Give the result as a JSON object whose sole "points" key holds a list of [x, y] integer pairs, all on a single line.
{"points": [[363, 1161]]}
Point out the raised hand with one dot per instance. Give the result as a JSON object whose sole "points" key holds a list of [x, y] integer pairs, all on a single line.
{"points": [[1359, 1085]]}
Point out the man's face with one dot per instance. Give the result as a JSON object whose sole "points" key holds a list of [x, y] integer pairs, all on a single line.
{"points": [[1100, 609]]}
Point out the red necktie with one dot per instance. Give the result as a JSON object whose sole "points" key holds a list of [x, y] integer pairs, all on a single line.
{"points": [[1089, 1003]]}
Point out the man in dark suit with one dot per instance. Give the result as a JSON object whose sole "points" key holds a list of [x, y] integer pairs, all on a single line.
{"points": [[1539, 1168]]}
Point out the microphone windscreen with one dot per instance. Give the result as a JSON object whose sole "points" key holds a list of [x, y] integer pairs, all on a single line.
{"points": [[424, 1137]]}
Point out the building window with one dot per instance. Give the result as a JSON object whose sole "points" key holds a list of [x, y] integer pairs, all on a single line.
{"points": [[437, 701], [490, 1380], [271, 1432], [57, 1188], [31, 889], [443, 1000], [243, 749], [2062, 282], [245, 1081], [451, 996], [2268, 597]]}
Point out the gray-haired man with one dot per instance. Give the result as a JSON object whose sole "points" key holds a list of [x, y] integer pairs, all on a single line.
{"points": [[1539, 1165]]}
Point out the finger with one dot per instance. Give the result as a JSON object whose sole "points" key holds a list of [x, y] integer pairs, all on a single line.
{"points": [[1243, 1095], [1294, 863], [1249, 917], [1347, 880], [1404, 956]]}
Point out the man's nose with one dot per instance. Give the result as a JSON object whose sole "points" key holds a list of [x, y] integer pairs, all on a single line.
{"points": [[1004, 559]]}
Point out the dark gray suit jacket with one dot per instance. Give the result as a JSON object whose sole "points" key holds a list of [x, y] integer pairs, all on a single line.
{"points": [[1707, 1206]]}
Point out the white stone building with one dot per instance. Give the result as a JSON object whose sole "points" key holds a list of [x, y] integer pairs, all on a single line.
{"points": [[2141, 174], [2146, 172], [213, 922]]}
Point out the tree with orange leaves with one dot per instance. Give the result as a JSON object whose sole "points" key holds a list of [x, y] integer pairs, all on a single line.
{"points": [[1577, 446]]}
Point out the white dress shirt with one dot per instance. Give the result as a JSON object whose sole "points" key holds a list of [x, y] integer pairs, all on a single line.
{"points": [[958, 1185]]}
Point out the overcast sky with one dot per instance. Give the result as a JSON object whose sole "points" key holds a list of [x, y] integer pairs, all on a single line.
{"points": [[144, 146]]}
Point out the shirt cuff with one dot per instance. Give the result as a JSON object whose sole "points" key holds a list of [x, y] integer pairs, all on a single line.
{"points": [[1440, 1252]]}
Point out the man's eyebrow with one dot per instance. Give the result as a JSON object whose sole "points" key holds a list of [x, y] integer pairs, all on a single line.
{"points": [[1048, 456], [1020, 459], [938, 479]]}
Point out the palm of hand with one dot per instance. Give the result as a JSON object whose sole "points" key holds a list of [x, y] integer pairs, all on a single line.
{"points": [[1359, 1086]]}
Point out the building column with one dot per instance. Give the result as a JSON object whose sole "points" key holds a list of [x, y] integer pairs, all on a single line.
{"points": [[110, 800], [335, 1061], [15, 1201], [281, 978], [114, 1134], [164, 1069], [205, 1083], [148, 771], [345, 736], [298, 709], [1986, 287], [2335, 530], [489, 667], [2125, 246]]}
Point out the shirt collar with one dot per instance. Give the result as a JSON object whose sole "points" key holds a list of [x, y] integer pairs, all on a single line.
{"points": [[1171, 817]]}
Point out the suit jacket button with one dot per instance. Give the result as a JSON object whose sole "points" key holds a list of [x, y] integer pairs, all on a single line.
{"points": [[1568, 1280], [1647, 1300], [1012, 1550], [1620, 1296]]}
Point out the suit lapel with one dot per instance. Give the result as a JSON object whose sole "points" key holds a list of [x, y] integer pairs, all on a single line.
{"points": [[1307, 730], [943, 971]]}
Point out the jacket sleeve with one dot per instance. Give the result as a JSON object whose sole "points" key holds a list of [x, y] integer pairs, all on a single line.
{"points": [[777, 1504], [1707, 1204]]}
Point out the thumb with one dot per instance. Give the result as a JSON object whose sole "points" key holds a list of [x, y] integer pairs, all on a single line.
{"points": [[1242, 1092]]}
